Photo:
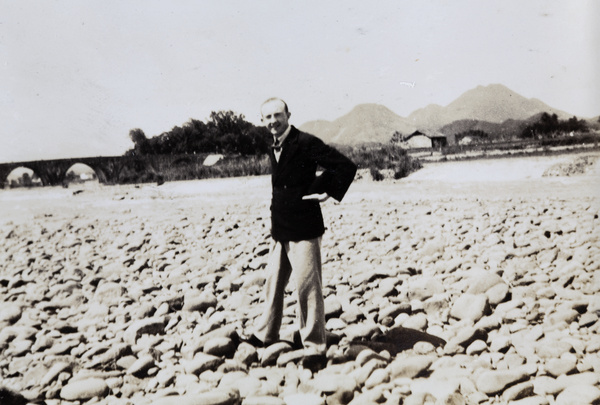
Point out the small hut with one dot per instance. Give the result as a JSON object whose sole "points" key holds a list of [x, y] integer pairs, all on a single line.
{"points": [[418, 140]]}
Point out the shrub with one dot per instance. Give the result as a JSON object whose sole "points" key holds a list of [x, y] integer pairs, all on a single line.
{"points": [[384, 157], [376, 174]]}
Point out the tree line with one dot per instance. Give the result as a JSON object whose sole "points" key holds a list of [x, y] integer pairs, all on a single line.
{"points": [[224, 132], [549, 126]]}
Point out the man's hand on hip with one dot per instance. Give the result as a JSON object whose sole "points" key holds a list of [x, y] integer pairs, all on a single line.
{"points": [[318, 197]]}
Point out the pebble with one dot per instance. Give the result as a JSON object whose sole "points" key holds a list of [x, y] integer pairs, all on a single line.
{"points": [[10, 313], [202, 362], [214, 397], [578, 394], [470, 306], [410, 367], [493, 382], [84, 389], [271, 354]]}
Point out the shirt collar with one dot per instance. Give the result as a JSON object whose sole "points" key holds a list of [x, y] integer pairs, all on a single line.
{"points": [[283, 136]]}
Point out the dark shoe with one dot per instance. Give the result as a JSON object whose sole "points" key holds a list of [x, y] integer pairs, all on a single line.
{"points": [[314, 362], [297, 341], [253, 340]]}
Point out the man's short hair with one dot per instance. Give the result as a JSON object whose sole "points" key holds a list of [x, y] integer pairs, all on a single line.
{"points": [[277, 99]]}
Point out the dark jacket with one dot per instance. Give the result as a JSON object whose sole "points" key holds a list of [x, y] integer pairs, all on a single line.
{"points": [[294, 176]]}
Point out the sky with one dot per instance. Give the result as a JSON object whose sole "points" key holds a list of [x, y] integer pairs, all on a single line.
{"points": [[76, 76]]}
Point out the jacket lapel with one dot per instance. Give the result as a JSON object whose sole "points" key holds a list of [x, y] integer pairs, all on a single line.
{"points": [[290, 146]]}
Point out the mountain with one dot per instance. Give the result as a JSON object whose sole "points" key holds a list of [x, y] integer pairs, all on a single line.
{"points": [[495, 109], [494, 103], [365, 123]]}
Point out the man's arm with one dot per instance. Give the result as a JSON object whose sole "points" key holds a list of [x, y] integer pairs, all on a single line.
{"points": [[338, 175]]}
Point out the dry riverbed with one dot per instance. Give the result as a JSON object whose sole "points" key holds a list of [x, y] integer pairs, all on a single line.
{"points": [[466, 283]]}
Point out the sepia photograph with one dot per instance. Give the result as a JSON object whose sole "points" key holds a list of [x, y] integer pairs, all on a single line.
{"points": [[299, 203]]}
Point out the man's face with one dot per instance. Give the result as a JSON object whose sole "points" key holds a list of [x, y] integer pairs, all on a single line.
{"points": [[275, 117]]}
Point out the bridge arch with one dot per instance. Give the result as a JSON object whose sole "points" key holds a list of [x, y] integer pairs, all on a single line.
{"points": [[80, 173], [20, 176]]}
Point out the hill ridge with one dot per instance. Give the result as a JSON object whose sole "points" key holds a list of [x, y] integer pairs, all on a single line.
{"points": [[371, 122]]}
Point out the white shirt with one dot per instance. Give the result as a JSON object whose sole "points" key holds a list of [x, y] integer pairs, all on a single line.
{"points": [[279, 141]]}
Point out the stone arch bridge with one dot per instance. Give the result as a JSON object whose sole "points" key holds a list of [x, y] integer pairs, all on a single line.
{"points": [[108, 169]]}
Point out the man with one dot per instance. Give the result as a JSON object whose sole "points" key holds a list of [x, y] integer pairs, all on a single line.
{"points": [[297, 226]]}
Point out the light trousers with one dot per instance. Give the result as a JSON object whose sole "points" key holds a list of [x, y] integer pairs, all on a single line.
{"points": [[303, 260]]}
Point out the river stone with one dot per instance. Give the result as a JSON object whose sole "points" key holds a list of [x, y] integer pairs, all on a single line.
{"points": [[544, 385], [551, 348], [141, 366], [564, 365], [352, 314], [377, 377], [303, 399], [214, 397], [329, 384], [202, 362], [477, 347], [335, 324], [588, 378], [518, 391], [393, 310], [144, 326], [220, 346], [562, 315], [466, 336], [197, 343], [271, 353], [367, 354], [531, 401], [246, 354], [109, 293], [247, 385], [481, 281], [500, 343], [410, 367], [497, 293], [438, 388], [470, 306], [425, 288], [10, 313], [579, 394], [417, 321], [588, 319], [361, 331], [361, 374], [54, 371], [263, 400], [333, 307], [493, 382], [293, 356], [195, 301], [84, 389]]}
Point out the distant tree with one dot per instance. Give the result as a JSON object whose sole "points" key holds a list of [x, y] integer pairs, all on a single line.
{"points": [[397, 137], [25, 180], [72, 177], [141, 144], [224, 132], [575, 125], [549, 126]]}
